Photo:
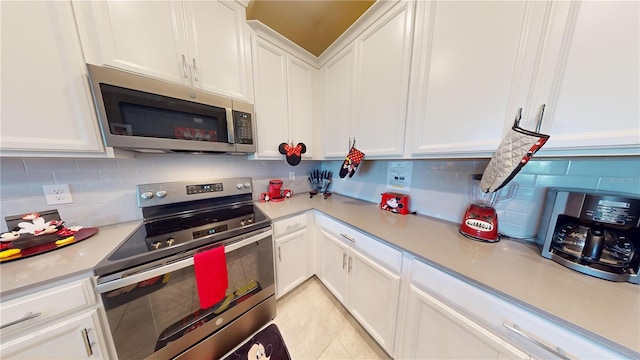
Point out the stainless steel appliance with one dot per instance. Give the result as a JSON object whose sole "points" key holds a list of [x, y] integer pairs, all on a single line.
{"points": [[596, 233], [148, 115], [148, 284]]}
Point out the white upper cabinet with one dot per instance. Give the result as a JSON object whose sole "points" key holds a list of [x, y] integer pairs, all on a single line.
{"points": [[283, 85], [197, 43], [476, 63], [366, 87], [46, 103], [468, 60], [589, 77]]}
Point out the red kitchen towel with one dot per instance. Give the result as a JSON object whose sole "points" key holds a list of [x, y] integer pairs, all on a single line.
{"points": [[211, 276]]}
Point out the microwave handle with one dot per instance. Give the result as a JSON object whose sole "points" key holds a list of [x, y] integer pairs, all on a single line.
{"points": [[230, 130], [180, 264]]}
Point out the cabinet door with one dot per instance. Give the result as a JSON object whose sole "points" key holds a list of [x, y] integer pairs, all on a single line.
{"points": [[384, 52], [146, 37], [216, 46], [470, 58], [300, 96], [437, 331], [73, 338], [270, 98], [333, 265], [339, 75], [373, 298], [589, 76], [291, 265], [46, 102]]}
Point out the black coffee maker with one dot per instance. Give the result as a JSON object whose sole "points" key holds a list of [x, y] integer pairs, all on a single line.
{"points": [[593, 232]]}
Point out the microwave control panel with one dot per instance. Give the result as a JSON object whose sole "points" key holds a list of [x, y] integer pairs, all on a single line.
{"points": [[243, 128]]}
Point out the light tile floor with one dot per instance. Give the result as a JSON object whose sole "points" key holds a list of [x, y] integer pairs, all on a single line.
{"points": [[315, 325]]}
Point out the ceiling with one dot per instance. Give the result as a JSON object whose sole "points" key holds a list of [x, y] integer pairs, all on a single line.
{"points": [[311, 24]]}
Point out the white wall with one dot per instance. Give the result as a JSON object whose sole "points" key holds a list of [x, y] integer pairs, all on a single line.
{"points": [[104, 189], [439, 188]]}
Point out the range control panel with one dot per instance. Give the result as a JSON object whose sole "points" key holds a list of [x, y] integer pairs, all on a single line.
{"points": [[180, 191]]}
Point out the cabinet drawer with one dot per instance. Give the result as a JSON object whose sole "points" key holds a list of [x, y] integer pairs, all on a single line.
{"points": [[384, 254], [539, 336], [289, 225], [41, 305]]}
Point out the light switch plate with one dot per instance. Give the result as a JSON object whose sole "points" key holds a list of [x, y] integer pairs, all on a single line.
{"points": [[57, 194]]}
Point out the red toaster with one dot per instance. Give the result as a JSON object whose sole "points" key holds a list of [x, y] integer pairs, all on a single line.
{"points": [[395, 202]]}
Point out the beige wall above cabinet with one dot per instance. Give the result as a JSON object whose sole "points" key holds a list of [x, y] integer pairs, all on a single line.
{"points": [[283, 86], [46, 103], [366, 84], [476, 63], [197, 43]]}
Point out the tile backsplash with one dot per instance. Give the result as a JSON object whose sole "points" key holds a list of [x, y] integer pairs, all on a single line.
{"points": [[104, 189]]}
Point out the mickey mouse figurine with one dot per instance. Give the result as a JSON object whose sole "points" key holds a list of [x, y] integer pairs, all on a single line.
{"points": [[293, 153]]}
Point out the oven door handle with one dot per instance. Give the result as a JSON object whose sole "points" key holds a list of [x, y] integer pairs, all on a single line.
{"points": [[136, 277]]}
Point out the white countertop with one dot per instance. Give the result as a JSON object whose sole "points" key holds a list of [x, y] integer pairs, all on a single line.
{"points": [[512, 270], [81, 258]]}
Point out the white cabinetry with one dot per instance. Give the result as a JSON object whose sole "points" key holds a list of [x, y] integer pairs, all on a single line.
{"points": [[476, 63], [366, 86], [46, 102], [291, 253], [197, 43], [283, 85], [60, 322], [589, 78], [364, 275], [446, 317], [469, 58]]}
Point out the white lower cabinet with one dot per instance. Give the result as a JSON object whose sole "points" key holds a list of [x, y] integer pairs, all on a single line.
{"points": [[446, 317], [364, 275], [59, 322], [435, 330], [71, 338], [291, 253]]}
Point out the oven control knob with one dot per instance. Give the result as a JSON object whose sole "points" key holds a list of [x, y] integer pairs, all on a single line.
{"points": [[146, 195], [239, 186], [247, 185], [170, 241], [156, 245], [161, 193]]}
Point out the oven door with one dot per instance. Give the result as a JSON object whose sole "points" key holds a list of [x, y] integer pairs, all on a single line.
{"points": [[156, 312]]}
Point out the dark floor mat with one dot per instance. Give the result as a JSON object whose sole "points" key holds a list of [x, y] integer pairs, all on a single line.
{"points": [[266, 344]]}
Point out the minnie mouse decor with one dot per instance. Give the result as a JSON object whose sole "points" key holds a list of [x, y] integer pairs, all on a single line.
{"points": [[293, 153], [351, 162], [395, 202]]}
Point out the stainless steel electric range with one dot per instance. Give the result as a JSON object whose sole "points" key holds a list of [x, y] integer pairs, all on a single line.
{"points": [[148, 284]]}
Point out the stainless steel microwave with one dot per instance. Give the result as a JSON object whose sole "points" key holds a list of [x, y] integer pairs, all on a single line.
{"points": [[142, 114]]}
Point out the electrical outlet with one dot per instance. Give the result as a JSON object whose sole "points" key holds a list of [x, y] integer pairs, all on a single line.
{"points": [[57, 194], [292, 175]]}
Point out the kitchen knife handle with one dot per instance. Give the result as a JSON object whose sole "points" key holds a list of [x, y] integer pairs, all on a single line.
{"points": [[27, 316], [557, 352], [87, 342]]}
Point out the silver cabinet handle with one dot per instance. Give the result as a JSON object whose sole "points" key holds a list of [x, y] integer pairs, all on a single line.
{"points": [[344, 260], [293, 226], [557, 352], [27, 316], [195, 70], [184, 66], [279, 254], [539, 121], [348, 238], [87, 342], [350, 260]]}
